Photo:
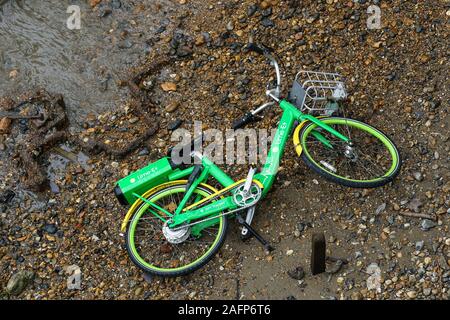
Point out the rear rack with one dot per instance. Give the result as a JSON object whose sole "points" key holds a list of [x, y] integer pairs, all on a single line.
{"points": [[317, 92]]}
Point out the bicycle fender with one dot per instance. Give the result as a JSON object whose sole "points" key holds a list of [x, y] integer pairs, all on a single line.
{"points": [[296, 136]]}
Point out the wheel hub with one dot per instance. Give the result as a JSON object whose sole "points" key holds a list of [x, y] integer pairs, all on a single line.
{"points": [[175, 236], [350, 153]]}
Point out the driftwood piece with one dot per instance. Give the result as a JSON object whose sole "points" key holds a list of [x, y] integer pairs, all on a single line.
{"points": [[418, 215]]}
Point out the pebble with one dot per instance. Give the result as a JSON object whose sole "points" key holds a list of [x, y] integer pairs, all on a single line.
{"points": [[172, 106], [266, 22], [50, 228], [419, 245], [18, 282], [427, 224], [251, 10], [415, 205], [297, 273], [133, 120], [13, 74], [169, 86], [175, 125], [5, 125], [380, 209], [418, 176]]}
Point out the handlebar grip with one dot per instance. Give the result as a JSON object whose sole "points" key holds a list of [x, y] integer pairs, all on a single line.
{"points": [[249, 117]]}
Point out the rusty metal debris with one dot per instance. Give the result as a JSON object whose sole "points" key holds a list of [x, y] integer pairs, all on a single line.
{"points": [[48, 116]]}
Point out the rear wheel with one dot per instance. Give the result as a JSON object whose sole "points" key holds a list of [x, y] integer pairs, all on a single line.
{"points": [[370, 160], [159, 250]]}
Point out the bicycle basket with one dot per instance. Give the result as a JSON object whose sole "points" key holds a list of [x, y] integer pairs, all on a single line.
{"points": [[317, 92]]}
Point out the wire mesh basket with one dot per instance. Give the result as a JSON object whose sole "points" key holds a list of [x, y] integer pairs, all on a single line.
{"points": [[317, 92]]}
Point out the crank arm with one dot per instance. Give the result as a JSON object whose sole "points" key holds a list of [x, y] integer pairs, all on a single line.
{"points": [[249, 180], [248, 219]]}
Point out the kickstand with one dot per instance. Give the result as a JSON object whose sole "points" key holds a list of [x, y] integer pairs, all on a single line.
{"points": [[258, 237]]}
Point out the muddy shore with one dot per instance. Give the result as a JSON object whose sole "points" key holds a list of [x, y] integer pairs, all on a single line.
{"points": [[397, 78]]}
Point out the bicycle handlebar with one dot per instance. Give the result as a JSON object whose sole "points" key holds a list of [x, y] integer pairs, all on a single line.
{"points": [[273, 93], [248, 117]]}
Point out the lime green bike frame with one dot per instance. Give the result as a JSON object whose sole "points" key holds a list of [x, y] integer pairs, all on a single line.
{"points": [[265, 178]]}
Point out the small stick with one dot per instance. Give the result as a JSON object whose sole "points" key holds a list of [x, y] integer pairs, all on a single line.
{"points": [[418, 215]]}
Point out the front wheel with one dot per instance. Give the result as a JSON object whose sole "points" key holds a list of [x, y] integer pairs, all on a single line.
{"points": [[369, 160], [157, 249]]}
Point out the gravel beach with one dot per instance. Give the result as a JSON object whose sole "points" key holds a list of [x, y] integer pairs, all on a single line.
{"points": [[193, 67]]}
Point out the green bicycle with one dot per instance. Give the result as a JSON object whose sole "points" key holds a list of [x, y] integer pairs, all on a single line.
{"points": [[177, 222]]}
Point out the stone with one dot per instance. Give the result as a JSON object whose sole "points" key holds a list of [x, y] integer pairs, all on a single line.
{"points": [[418, 176], [7, 196], [199, 40], [380, 209], [297, 273], [427, 224], [419, 245], [266, 22], [5, 125], [18, 282], [133, 120], [415, 205], [13, 74], [169, 86], [172, 106], [265, 4], [50, 228], [94, 3], [251, 10], [175, 125]]}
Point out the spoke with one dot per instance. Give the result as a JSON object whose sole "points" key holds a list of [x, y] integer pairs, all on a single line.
{"points": [[376, 166], [372, 161]]}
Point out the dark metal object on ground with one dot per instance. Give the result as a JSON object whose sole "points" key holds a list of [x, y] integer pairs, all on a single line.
{"points": [[318, 253], [51, 124], [16, 115]]}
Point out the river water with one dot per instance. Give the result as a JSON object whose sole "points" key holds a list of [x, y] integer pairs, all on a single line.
{"points": [[37, 49]]}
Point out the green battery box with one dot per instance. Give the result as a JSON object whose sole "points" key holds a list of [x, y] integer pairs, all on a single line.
{"points": [[143, 180]]}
